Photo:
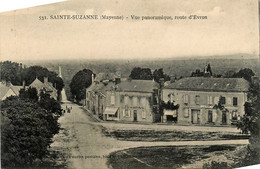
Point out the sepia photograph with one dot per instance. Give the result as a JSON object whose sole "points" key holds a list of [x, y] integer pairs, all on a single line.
{"points": [[141, 84]]}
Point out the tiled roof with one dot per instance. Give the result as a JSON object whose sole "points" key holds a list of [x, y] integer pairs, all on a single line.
{"points": [[137, 86], [210, 84], [16, 89], [3, 91], [39, 85]]}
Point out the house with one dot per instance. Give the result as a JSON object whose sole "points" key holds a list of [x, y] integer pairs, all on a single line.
{"points": [[7, 89], [96, 93], [199, 97], [133, 100], [44, 86]]}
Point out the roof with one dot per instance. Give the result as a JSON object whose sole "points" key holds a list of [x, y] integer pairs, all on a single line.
{"points": [[3, 91], [16, 89], [101, 87], [138, 86], [210, 84], [39, 85]]}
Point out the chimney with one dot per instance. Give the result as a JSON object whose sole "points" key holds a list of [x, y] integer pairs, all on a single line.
{"points": [[45, 79]]}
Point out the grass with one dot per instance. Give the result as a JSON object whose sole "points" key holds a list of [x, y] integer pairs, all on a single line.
{"points": [[153, 135], [166, 156]]}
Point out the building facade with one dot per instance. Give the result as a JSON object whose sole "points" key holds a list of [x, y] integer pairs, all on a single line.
{"points": [[133, 101], [199, 100]]}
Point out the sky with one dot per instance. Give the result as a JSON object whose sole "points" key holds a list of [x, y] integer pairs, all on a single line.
{"points": [[232, 27]]}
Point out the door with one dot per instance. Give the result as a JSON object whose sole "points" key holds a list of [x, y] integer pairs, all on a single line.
{"points": [[224, 117], [195, 116], [210, 116], [135, 115]]}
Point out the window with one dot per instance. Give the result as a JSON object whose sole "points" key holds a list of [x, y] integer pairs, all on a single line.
{"points": [[186, 112], [123, 112], [113, 98], [143, 114], [127, 112], [121, 99], [234, 115], [222, 100], [210, 100], [126, 100], [186, 98], [197, 100], [234, 101]]}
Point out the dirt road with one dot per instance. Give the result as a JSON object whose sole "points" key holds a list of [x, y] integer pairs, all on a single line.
{"points": [[89, 148]]}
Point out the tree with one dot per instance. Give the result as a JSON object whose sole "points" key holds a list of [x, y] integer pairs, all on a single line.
{"points": [[26, 135], [141, 74], [245, 73], [30, 93], [11, 72], [158, 74], [29, 75], [80, 81], [250, 123]]}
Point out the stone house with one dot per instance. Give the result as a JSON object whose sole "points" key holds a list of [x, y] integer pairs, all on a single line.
{"points": [[198, 98], [133, 101], [45, 86], [95, 101]]}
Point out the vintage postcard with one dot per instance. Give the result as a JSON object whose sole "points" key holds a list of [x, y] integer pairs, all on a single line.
{"points": [[135, 84]]}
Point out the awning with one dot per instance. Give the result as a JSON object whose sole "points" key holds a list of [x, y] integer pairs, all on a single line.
{"points": [[170, 113], [110, 110]]}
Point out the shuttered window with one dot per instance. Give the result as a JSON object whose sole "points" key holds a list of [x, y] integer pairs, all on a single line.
{"points": [[197, 100], [186, 112]]}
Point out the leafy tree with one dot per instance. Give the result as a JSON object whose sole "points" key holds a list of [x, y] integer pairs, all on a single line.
{"points": [[245, 73], [11, 72], [27, 135], [80, 81], [30, 93], [141, 74], [229, 74], [250, 123], [158, 74], [29, 75]]}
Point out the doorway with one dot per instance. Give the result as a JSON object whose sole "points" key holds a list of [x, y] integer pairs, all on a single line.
{"points": [[135, 115], [210, 116], [195, 116]]}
